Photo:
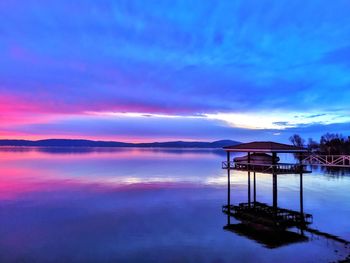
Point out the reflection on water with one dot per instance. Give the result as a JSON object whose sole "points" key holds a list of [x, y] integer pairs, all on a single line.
{"points": [[149, 205], [268, 237]]}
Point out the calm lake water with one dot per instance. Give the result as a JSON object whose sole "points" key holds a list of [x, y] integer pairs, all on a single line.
{"points": [[150, 205]]}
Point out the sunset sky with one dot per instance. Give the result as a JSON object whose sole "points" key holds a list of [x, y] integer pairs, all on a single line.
{"points": [[174, 70]]}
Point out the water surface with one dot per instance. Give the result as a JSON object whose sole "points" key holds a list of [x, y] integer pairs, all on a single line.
{"points": [[150, 205]]}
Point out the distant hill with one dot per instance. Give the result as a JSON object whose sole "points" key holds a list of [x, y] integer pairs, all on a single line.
{"points": [[184, 144], [89, 143]]}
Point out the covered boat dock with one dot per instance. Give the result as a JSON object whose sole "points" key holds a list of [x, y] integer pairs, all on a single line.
{"points": [[256, 212]]}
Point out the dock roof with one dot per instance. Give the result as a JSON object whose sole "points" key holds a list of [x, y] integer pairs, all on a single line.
{"points": [[266, 147]]}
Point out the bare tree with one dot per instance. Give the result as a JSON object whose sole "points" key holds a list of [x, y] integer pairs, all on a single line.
{"points": [[296, 140], [312, 145]]}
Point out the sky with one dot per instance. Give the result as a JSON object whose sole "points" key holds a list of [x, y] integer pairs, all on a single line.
{"points": [[155, 70]]}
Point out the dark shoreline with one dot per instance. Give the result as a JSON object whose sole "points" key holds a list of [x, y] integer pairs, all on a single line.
{"points": [[114, 144]]}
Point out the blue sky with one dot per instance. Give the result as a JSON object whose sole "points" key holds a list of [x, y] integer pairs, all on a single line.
{"points": [[169, 70]]}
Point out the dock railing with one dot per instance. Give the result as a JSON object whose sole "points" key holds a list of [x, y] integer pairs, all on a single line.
{"points": [[280, 168], [327, 160]]}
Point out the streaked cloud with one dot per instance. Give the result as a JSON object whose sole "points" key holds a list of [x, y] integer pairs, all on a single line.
{"points": [[234, 68]]}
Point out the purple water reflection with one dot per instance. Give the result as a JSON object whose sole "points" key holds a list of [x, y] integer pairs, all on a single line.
{"points": [[148, 205]]}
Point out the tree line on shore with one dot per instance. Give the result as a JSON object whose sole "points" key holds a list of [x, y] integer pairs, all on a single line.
{"points": [[329, 143]]}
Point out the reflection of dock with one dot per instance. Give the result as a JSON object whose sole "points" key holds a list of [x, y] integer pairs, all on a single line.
{"points": [[268, 237]]}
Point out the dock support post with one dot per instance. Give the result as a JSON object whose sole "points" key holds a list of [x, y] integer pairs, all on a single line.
{"points": [[301, 188], [249, 195], [228, 189], [274, 181]]}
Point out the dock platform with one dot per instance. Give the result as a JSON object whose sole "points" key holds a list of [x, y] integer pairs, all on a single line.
{"points": [[269, 216]]}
